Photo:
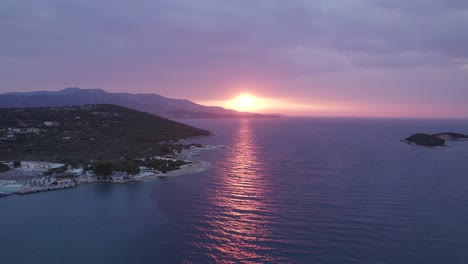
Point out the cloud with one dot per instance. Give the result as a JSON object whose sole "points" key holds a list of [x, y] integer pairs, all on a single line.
{"points": [[387, 31], [208, 45]]}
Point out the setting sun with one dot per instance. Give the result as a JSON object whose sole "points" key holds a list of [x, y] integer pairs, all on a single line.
{"points": [[244, 102]]}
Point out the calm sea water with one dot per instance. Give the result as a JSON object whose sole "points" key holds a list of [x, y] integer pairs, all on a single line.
{"points": [[291, 190]]}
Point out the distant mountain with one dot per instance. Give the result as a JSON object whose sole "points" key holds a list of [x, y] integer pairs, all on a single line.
{"points": [[151, 103]]}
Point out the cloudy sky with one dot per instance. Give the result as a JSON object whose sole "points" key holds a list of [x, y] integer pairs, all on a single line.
{"points": [[342, 57]]}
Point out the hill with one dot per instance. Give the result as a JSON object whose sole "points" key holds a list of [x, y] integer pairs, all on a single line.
{"points": [[76, 134], [151, 103]]}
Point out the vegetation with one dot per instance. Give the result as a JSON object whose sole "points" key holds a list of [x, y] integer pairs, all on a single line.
{"points": [[4, 167], [16, 163], [426, 140], [167, 149], [103, 169], [77, 134], [132, 168], [164, 165]]}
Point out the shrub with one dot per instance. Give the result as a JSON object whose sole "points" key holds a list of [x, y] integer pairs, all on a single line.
{"points": [[16, 163], [4, 167], [132, 168], [103, 169]]}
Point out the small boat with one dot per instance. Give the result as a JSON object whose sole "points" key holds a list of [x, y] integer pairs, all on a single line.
{"points": [[162, 176]]}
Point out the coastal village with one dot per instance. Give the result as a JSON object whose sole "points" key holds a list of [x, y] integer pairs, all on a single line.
{"points": [[25, 177], [52, 148]]}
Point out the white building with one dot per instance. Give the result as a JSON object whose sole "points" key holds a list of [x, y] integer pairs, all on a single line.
{"points": [[50, 123]]}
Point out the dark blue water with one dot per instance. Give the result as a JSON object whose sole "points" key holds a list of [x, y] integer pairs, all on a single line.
{"points": [[286, 191]]}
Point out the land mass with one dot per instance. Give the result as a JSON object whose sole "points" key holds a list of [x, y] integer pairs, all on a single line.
{"points": [[52, 148], [434, 140], [77, 134], [25, 177], [151, 103]]}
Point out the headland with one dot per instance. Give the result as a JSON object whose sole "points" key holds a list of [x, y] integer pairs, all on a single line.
{"points": [[52, 148]]}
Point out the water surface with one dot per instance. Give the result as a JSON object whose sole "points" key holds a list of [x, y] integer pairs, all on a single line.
{"points": [[291, 190]]}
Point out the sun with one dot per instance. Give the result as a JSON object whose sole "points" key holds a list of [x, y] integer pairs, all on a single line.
{"points": [[244, 102]]}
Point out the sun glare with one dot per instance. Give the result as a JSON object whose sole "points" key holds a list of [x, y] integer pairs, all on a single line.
{"points": [[244, 102]]}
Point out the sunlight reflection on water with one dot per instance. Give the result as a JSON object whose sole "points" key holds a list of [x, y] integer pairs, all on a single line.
{"points": [[242, 228]]}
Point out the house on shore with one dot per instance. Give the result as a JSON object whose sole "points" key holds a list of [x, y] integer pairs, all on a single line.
{"points": [[65, 178]]}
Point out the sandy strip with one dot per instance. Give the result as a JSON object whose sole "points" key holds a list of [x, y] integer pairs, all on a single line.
{"points": [[187, 155], [195, 167]]}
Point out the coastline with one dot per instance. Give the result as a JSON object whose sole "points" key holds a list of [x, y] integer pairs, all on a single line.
{"points": [[195, 167], [186, 155]]}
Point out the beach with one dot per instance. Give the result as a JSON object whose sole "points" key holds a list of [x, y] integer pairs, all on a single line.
{"points": [[186, 155]]}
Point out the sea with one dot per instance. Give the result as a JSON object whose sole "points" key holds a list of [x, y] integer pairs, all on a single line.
{"points": [[287, 190]]}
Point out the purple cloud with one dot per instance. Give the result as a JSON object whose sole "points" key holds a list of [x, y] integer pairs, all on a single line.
{"points": [[375, 51]]}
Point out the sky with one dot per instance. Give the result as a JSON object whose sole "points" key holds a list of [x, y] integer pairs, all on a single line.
{"points": [[391, 58]]}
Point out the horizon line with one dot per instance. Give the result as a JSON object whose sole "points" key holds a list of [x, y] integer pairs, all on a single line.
{"points": [[260, 113]]}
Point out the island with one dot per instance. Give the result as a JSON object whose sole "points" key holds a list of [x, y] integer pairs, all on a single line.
{"points": [[434, 140], [50, 148]]}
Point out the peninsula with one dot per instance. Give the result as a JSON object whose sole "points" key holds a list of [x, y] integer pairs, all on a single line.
{"points": [[59, 147]]}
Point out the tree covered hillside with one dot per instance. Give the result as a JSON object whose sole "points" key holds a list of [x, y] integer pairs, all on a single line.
{"points": [[76, 134]]}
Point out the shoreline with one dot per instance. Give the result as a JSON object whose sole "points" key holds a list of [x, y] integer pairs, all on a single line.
{"points": [[187, 155]]}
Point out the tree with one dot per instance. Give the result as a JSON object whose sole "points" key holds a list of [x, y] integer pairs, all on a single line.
{"points": [[103, 169], [132, 168], [60, 169], [49, 172], [166, 149], [16, 163], [4, 167]]}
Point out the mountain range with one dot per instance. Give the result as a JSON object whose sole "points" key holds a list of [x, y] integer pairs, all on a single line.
{"points": [[151, 103]]}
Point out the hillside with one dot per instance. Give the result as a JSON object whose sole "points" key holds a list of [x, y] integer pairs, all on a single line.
{"points": [[79, 133], [151, 103]]}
